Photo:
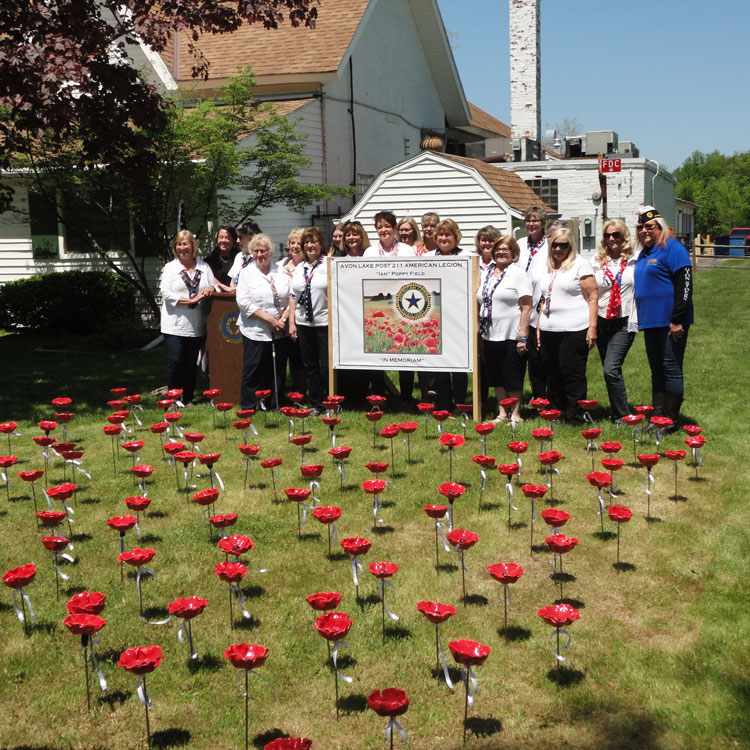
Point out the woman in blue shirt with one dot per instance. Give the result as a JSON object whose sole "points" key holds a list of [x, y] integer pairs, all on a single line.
{"points": [[663, 298]]}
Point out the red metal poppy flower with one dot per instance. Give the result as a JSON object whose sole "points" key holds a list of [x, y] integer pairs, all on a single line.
{"points": [[324, 601], [297, 494], [469, 653], [451, 490], [464, 408], [63, 491], [263, 393], [245, 413], [327, 513], [44, 441], [194, 437], [47, 425], [8, 427], [59, 447], [84, 624], [436, 612], [619, 513], [187, 609], [310, 471], [271, 463], [508, 403], [373, 416], [691, 429], [612, 464], [206, 497], [435, 511], [54, 543], [122, 523], [141, 659], [588, 403], [289, 743], [539, 403], [505, 572], [383, 569], [224, 406], [462, 538], [142, 471], [560, 544], [340, 453], [86, 603], [508, 470], [295, 396], [695, 441], [592, 433], [31, 476], [231, 572], [599, 479], [373, 486], [300, 439], [242, 424], [118, 417], [533, 490], [408, 427], [425, 408], [72, 455], [133, 398], [157, 428], [133, 446], [633, 419], [485, 428], [559, 615], [212, 393], [236, 544], [549, 458], [376, 400], [137, 503], [645, 409], [377, 467], [64, 416], [451, 441], [441, 414], [610, 446], [51, 517], [209, 459], [61, 401], [649, 459], [389, 431], [7, 461], [223, 520], [675, 455], [137, 557], [302, 413], [355, 545], [333, 626], [248, 450], [484, 461], [518, 446], [542, 433], [20, 577], [330, 421], [117, 403], [288, 411], [550, 415], [389, 702], [555, 517], [165, 403]]}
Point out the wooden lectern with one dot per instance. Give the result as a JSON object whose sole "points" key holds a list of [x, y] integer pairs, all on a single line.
{"points": [[224, 343]]}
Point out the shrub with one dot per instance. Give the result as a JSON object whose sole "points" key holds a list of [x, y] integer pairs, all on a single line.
{"points": [[67, 302]]}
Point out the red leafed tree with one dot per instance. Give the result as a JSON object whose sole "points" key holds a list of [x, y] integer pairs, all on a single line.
{"points": [[66, 71]]}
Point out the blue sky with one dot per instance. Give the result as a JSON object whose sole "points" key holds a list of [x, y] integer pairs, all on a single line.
{"points": [[671, 76]]}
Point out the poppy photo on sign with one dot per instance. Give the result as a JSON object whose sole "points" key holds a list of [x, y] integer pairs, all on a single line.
{"points": [[401, 317]]}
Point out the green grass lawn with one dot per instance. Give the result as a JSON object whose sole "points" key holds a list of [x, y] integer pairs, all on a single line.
{"points": [[658, 658]]}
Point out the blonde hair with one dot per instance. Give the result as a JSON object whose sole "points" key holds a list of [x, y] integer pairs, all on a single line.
{"points": [[185, 234], [627, 244], [556, 232], [413, 224], [506, 239], [295, 234], [448, 225], [489, 232], [354, 227]]}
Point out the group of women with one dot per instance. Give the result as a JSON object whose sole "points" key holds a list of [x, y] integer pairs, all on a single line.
{"points": [[542, 307]]}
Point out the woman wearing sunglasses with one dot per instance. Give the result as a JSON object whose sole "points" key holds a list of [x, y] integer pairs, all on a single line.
{"points": [[567, 322], [664, 299], [616, 324]]}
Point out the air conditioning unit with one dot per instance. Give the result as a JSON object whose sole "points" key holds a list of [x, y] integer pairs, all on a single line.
{"points": [[601, 142]]}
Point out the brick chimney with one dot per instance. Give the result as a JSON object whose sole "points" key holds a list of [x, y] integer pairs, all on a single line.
{"points": [[525, 79]]}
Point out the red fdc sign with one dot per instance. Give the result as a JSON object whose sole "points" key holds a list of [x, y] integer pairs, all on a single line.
{"points": [[611, 165]]}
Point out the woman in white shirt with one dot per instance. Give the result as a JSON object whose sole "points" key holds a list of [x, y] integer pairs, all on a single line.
{"points": [[387, 247], [185, 282], [567, 322], [504, 296], [263, 299], [614, 266], [308, 309]]}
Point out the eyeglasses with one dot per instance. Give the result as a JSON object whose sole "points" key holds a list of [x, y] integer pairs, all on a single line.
{"points": [[561, 245], [647, 227], [613, 235], [533, 221]]}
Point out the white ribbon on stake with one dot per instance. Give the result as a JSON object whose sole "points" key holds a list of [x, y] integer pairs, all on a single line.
{"points": [[389, 729], [184, 631], [336, 646], [240, 600], [383, 584], [19, 610], [565, 646]]}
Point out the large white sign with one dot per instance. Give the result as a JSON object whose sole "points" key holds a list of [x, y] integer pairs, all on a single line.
{"points": [[403, 313]]}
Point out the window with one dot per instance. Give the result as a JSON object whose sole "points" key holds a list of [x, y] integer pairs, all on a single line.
{"points": [[45, 241], [546, 190]]}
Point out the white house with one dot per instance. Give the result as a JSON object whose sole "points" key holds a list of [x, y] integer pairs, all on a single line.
{"points": [[469, 191]]}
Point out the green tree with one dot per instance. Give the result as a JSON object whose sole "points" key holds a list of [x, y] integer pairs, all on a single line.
{"points": [[126, 217], [720, 185]]}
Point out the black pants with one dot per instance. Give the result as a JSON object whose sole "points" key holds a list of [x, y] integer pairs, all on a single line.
{"points": [[313, 343], [537, 373], [182, 363], [451, 393], [257, 369], [564, 357]]}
